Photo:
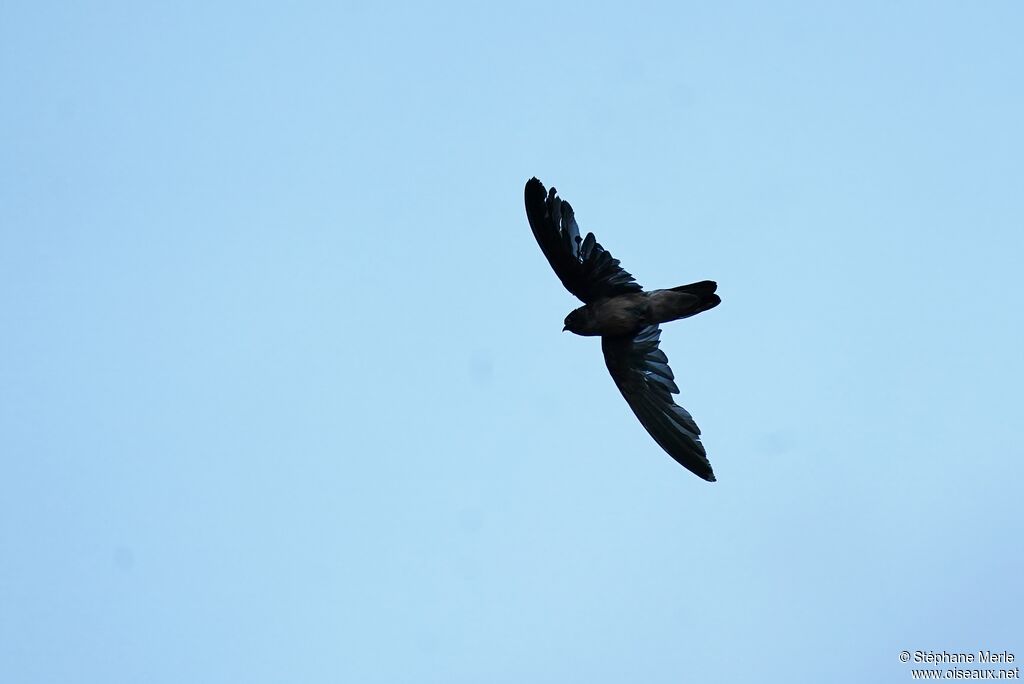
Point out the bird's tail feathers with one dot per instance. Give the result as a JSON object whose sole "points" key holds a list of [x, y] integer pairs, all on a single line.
{"points": [[683, 301]]}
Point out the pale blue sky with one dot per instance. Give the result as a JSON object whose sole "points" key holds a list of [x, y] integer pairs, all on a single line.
{"points": [[284, 396]]}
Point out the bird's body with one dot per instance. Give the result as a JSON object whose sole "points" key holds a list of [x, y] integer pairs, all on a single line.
{"points": [[628, 314], [626, 318]]}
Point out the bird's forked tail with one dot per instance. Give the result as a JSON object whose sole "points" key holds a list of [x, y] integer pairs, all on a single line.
{"points": [[683, 301]]}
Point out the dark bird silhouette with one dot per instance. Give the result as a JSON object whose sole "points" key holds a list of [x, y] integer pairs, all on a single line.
{"points": [[626, 317]]}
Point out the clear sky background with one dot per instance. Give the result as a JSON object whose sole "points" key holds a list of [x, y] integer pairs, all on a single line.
{"points": [[284, 396]]}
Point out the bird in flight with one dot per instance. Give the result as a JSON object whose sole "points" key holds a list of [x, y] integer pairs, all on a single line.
{"points": [[626, 318]]}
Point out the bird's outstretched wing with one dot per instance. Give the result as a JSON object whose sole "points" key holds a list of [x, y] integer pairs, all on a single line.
{"points": [[640, 369], [585, 268]]}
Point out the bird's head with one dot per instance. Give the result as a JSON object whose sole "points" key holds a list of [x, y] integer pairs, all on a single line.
{"points": [[578, 321]]}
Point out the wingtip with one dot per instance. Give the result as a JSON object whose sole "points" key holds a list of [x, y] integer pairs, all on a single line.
{"points": [[701, 469], [535, 192]]}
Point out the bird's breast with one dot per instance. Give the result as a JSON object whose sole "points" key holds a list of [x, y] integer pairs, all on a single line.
{"points": [[622, 315]]}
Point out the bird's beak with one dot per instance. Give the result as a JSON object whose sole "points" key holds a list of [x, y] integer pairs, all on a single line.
{"points": [[564, 328]]}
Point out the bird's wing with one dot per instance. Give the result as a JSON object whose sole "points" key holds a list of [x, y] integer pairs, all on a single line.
{"points": [[585, 268], [640, 369]]}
